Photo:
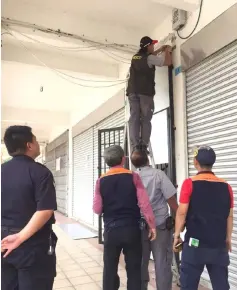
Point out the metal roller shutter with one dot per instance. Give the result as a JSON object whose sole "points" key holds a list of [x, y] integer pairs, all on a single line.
{"points": [[83, 176], [211, 88], [58, 149], [113, 121]]}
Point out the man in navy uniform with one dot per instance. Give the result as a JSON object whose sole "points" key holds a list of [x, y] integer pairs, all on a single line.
{"points": [[28, 204], [206, 209], [121, 196]]}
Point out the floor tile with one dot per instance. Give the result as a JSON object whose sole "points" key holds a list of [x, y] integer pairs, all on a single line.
{"points": [[90, 286], [65, 263], [97, 277], [100, 284], [75, 273], [87, 265], [80, 255], [93, 251], [58, 284], [122, 273], [60, 276], [71, 267], [81, 280], [78, 261], [67, 288], [94, 270], [83, 260]]}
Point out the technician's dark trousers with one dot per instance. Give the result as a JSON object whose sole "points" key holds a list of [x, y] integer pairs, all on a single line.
{"points": [[28, 267], [193, 262], [141, 112], [128, 240]]}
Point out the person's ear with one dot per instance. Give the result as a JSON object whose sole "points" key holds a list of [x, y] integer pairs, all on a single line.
{"points": [[124, 160], [195, 163], [29, 146]]}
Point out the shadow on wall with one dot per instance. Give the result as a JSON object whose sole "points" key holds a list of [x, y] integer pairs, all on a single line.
{"points": [[195, 56]]}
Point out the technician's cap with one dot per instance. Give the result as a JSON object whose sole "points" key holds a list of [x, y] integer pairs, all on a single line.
{"points": [[205, 155], [146, 40]]}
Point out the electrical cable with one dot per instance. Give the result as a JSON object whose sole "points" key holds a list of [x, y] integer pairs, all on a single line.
{"points": [[77, 49], [91, 45], [199, 15], [60, 74], [118, 60], [81, 48], [114, 54]]}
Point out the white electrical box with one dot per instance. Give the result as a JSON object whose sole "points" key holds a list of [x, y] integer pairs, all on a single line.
{"points": [[179, 18]]}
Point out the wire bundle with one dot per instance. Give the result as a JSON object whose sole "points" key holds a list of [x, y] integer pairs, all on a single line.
{"points": [[91, 46]]}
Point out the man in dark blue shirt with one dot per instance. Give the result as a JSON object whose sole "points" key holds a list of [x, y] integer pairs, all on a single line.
{"points": [[28, 204]]}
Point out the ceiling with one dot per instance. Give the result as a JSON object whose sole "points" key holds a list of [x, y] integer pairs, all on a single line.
{"points": [[33, 59], [71, 15]]}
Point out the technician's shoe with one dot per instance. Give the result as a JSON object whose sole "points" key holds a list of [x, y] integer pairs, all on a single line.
{"points": [[144, 148]]}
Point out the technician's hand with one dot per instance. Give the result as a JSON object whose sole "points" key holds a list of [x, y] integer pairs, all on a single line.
{"points": [[10, 243], [176, 242], [152, 234], [169, 48]]}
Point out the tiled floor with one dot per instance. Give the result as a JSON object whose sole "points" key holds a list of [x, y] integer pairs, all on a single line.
{"points": [[80, 263]]}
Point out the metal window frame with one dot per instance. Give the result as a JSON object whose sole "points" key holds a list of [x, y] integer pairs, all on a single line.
{"points": [[100, 132]]}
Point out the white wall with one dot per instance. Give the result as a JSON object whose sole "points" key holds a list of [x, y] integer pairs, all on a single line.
{"points": [[211, 9]]}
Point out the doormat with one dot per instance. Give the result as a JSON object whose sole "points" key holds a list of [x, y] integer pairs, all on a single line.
{"points": [[77, 231]]}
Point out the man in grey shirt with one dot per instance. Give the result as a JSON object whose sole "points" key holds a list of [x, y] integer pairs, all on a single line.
{"points": [[141, 89], [162, 196]]}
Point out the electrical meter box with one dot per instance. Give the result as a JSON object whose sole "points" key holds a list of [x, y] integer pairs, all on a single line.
{"points": [[179, 18]]}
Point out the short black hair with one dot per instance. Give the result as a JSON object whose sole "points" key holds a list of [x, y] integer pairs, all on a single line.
{"points": [[113, 155], [143, 50], [206, 166], [16, 139], [139, 158]]}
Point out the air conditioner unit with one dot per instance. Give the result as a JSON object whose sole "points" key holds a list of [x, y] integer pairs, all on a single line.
{"points": [[179, 18]]}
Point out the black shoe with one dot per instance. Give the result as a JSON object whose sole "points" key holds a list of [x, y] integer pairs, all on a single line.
{"points": [[144, 148]]}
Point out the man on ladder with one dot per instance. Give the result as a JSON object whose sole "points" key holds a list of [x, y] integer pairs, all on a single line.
{"points": [[141, 89]]}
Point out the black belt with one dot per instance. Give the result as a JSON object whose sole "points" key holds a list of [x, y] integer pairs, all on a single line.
{"points": [[121, 223], [52, 237]]}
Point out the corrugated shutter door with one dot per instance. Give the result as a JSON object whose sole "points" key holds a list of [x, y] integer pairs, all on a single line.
{"points": [[113, 121], [212, 120], [83, 176]]}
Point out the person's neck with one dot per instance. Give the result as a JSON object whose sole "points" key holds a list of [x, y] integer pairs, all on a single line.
{"points": [[201, 170], [117, 166]]}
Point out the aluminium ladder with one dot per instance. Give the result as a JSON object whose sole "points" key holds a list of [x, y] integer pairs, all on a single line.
{"points": [[128, 151]]}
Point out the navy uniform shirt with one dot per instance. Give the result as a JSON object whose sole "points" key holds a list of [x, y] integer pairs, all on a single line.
{"points": [[27, 187]]}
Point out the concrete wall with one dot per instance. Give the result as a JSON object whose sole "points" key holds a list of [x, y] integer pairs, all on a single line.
{"points": [[211, 9], [59, 149]]}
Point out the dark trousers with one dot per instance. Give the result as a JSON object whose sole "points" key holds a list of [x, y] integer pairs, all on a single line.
{"points": [[28, 267], [128, 240], [141, 112], [193, 262]]}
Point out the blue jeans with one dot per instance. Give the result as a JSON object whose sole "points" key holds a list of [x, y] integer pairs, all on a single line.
{"points": [[193, 262]]}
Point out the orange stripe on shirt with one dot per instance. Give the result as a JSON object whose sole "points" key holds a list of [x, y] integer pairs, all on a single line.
{"points": [[114, 171], [207, 177]]}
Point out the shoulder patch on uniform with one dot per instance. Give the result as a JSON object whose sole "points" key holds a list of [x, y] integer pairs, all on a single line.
{"points": [[137, 57]]}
